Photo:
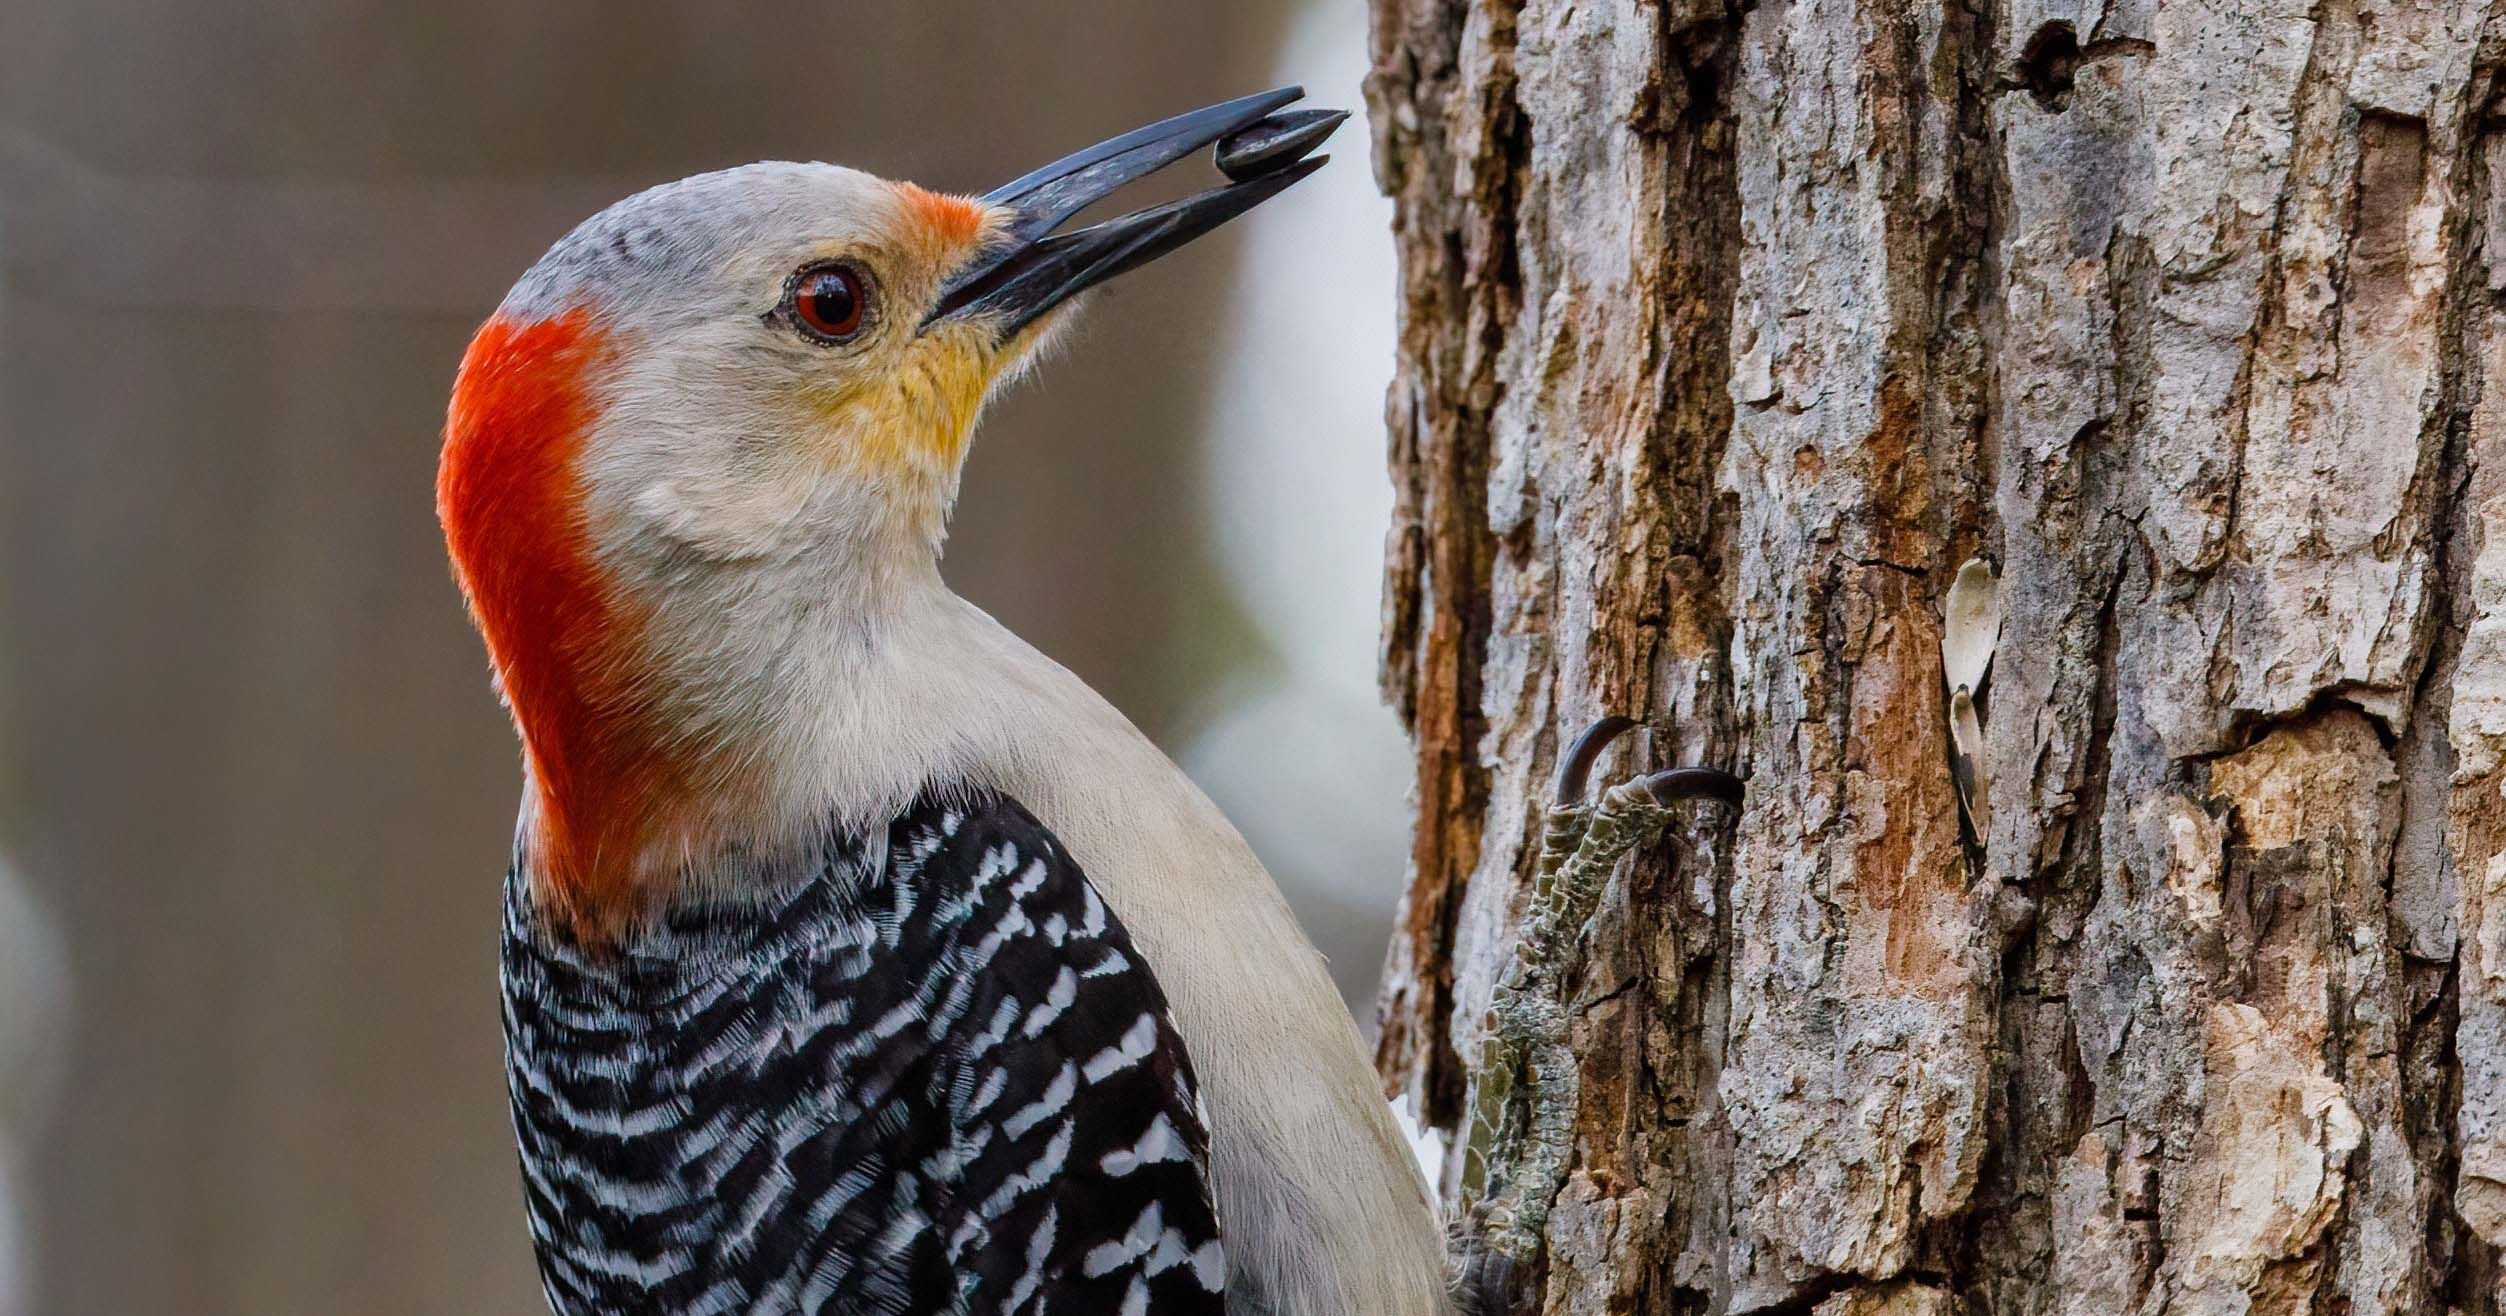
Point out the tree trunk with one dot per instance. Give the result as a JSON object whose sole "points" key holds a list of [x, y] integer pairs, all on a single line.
{"points": [[1729, 337]]}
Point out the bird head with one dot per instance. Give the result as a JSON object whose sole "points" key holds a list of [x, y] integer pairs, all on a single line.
{"points": [[728, 409]]}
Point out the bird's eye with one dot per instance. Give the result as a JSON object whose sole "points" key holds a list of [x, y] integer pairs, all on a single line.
{"points": [[829, 302]]}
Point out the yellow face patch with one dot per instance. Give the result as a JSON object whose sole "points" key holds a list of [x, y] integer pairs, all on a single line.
{"points": [[917, 415], [912, 410]]}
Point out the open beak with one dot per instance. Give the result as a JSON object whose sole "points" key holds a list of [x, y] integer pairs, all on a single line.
{"points": [[1030, 269]]}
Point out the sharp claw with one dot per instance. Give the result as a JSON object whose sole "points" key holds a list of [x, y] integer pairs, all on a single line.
{"points": [[1489, 1283], [1693, 784], [1575, 770]]}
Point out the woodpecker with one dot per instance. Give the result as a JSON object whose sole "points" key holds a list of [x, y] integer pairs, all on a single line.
{"points": [[857, 957]]}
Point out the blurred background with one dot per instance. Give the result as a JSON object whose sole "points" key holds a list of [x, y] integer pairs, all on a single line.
{"points": [[256, 796]]}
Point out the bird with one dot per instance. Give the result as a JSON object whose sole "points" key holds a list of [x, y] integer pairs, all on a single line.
{"points": [[857, 957]]}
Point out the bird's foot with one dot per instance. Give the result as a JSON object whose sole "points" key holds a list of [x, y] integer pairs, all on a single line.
{"points": [[1583, 839], [1524, 1091]]}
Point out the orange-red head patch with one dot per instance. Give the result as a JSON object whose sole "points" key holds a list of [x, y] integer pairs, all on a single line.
{"points": [[953, 220], [510, 498]]}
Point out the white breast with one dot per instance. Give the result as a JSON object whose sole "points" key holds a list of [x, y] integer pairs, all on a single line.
{"points": [[1319, 1197]]}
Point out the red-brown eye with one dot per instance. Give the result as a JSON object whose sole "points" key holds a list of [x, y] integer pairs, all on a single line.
{"points": [[829, 301]]}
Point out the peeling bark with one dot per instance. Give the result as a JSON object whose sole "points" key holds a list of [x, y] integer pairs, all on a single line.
{"points": [[1729, 333]]}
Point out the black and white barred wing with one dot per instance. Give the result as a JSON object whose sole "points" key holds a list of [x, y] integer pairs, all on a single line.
{"points": [[1080, 1157], [926, 1072]]}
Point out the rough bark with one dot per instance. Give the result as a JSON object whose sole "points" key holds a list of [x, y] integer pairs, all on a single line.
{"points": [[1729, 334]]}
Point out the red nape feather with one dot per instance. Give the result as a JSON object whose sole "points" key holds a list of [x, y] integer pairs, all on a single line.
{"points": [[509, 495]]}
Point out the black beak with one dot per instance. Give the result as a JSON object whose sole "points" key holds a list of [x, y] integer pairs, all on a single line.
{"points": [[1032, 270]]}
